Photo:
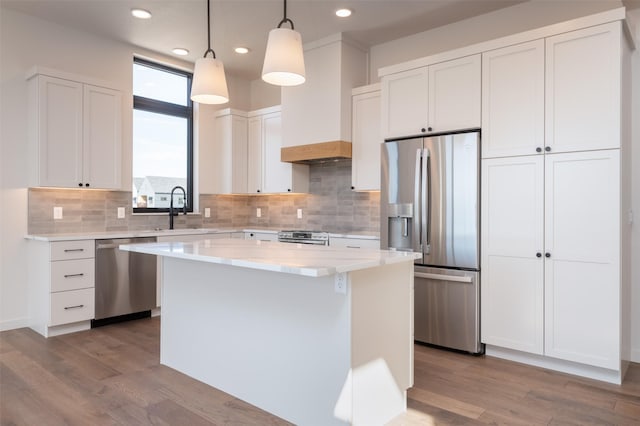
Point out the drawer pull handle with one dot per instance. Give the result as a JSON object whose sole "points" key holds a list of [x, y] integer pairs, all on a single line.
{"points": [[353, 246], [73, 307], [68, 250], [74, 275]]}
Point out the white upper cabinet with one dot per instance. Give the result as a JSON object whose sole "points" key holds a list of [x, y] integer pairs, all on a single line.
{"points": [[513, 100], [267, 174], [512, 291], [75, 133], [582, 257], [405, 103], [366, 139], [437, 98], [454, 94], [583, 88], [230, 152]]}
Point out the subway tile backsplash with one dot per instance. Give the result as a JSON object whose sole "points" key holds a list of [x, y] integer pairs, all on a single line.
{"points": [[331, 205]]}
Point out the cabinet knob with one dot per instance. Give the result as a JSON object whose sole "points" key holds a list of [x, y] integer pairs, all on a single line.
{"points": [[257, 190], [547, 148], [80, 184], [430, 128], [86, 184], [538, 254], [288, 189], [423, 130], [547, 254], [538, 149], [353, 187]]}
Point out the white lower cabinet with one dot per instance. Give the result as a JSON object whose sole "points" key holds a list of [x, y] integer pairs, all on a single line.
{"points": [[551, 257], [61, 286], [357, 243]]}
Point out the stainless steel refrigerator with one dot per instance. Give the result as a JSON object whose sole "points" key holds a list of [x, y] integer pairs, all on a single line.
{"points": [[429, 204]]}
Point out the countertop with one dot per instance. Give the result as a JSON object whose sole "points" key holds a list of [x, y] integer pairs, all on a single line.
{"points": [[299, 259], [183, 231]]}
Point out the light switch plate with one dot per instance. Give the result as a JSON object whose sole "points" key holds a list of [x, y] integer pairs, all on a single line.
{"points": [[120, 212], [299, 213], [57, 212], [258, 212], [207, 212]]}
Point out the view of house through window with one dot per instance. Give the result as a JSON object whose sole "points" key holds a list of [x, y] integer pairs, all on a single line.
{"points": [[162, 137]]}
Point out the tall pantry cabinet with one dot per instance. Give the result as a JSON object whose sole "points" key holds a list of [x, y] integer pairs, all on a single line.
{"points": [[554, 206]]}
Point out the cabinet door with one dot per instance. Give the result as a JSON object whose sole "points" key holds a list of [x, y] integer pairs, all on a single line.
{"points": [[582, 278], [512, 273], [276, 174], [60, 132], [239, 151], [102, 144], [366, 140], [513, 100], [254, 156], [454, 94], [583, 89], [405, 103]]}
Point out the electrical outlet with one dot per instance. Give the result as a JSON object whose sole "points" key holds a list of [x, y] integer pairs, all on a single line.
{"points": [[57, 212], [299, 213], [258, 212], [207, 212], [120, 212], [341, 282]]}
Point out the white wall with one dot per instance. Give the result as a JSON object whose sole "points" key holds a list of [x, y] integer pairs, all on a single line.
{"points": [[635, 195], [264, 95], [26, 42]]}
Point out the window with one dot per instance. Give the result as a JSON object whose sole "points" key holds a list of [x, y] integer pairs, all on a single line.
{"points": [[162, 137]]}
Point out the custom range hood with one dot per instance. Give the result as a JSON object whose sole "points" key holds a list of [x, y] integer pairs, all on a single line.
{"points": [[316, 116]]}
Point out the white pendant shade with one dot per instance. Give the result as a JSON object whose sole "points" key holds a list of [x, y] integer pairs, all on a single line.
{"points": [[209, 82], [284, 59]]}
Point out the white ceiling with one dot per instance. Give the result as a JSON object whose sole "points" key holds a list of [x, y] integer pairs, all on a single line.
{"points": [[182, 23]]}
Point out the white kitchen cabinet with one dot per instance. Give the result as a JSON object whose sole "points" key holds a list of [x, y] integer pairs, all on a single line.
{"points": [[75, 136], [441, 97], [61, 283], [353, 242], [366, 138], [230, 152], [267, 174], [583, 89], [513, 100], [572, 233], [582, 272], [512, 290]]}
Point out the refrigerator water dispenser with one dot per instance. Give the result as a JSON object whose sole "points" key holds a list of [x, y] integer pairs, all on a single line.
{"points": [[400, 222]]}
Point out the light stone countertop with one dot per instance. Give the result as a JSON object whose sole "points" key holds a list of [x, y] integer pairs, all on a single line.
{"points": [[300, 259]]}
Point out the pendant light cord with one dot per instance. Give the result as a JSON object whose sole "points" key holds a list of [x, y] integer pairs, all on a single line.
{"points": [[209, 49], [285, 19]]}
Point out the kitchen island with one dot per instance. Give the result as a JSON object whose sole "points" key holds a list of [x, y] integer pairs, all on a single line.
{"points": [[313, 334]]}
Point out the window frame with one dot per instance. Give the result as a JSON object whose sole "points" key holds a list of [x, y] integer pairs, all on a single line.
{"points": [[167, 108]]}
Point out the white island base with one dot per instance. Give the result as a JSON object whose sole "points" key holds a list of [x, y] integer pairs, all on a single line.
{"points": [[290, 344]]}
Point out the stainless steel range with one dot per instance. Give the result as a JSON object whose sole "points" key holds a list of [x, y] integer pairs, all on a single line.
{"points": [[304, 237]]}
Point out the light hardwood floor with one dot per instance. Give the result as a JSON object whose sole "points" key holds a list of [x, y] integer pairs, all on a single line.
{"points": [[111, 376]]}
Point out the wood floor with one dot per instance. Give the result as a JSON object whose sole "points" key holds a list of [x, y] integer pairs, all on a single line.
{"points": [[112, 376]]}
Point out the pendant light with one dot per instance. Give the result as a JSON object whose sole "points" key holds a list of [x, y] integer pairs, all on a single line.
{"points": [[209, 82], [284, 60]]}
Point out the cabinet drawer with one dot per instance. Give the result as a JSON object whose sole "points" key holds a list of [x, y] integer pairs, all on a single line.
{"points": [[67, 250], [72, 274], [72, 306], [357, 243]]}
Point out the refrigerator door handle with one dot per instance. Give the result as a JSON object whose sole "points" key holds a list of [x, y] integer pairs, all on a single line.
{"points": [[440, 277], [426, 201], [417, 228]]}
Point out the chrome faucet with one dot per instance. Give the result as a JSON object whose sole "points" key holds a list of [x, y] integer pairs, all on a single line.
{"points": [[184, 204]]}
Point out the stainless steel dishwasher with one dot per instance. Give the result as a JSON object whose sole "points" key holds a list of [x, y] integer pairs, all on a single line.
{"points": [[125, 281]]}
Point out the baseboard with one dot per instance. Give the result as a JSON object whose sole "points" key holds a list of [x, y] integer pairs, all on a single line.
{"points": [[14, 323], [635, 355]]}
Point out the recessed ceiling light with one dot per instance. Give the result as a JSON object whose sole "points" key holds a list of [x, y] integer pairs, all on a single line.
{"points": [[343, 13], [241, 50], [180, 51], [141, 13]]}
